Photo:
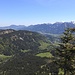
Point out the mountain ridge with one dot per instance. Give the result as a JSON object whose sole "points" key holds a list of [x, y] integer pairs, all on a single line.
{"points": [[15, 41], [55, 28]]}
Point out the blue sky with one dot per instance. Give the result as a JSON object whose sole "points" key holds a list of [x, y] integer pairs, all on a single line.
{"points": [[27, 12]]}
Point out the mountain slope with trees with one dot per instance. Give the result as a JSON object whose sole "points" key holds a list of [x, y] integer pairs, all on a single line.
{"points": [[12, 41], [18, 52], [30, 53]]}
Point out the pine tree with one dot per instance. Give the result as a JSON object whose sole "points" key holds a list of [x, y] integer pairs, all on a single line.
{"points": [[66, 52]]}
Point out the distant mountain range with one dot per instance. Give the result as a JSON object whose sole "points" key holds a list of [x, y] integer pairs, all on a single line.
{"points": [[56, 28], [15, 27]]}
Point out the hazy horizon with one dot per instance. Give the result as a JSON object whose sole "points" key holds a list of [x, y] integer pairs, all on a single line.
{"points": [[35, 24]]}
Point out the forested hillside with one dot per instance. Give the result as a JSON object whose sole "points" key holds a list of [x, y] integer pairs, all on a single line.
{"points": [[30, 53], [12, 41], [21, 52]]}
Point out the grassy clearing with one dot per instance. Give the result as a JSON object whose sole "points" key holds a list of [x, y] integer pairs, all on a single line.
{"points": [[24, 51], [61, 72], [44, 45], [4, 57], [46, 54]]}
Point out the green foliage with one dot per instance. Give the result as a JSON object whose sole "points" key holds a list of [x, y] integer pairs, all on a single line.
{"points": [[4, 58], [66, 53], [43, 45], [24, 51], [1, 49], [19, 41], [46, 54], [23, 64]]}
